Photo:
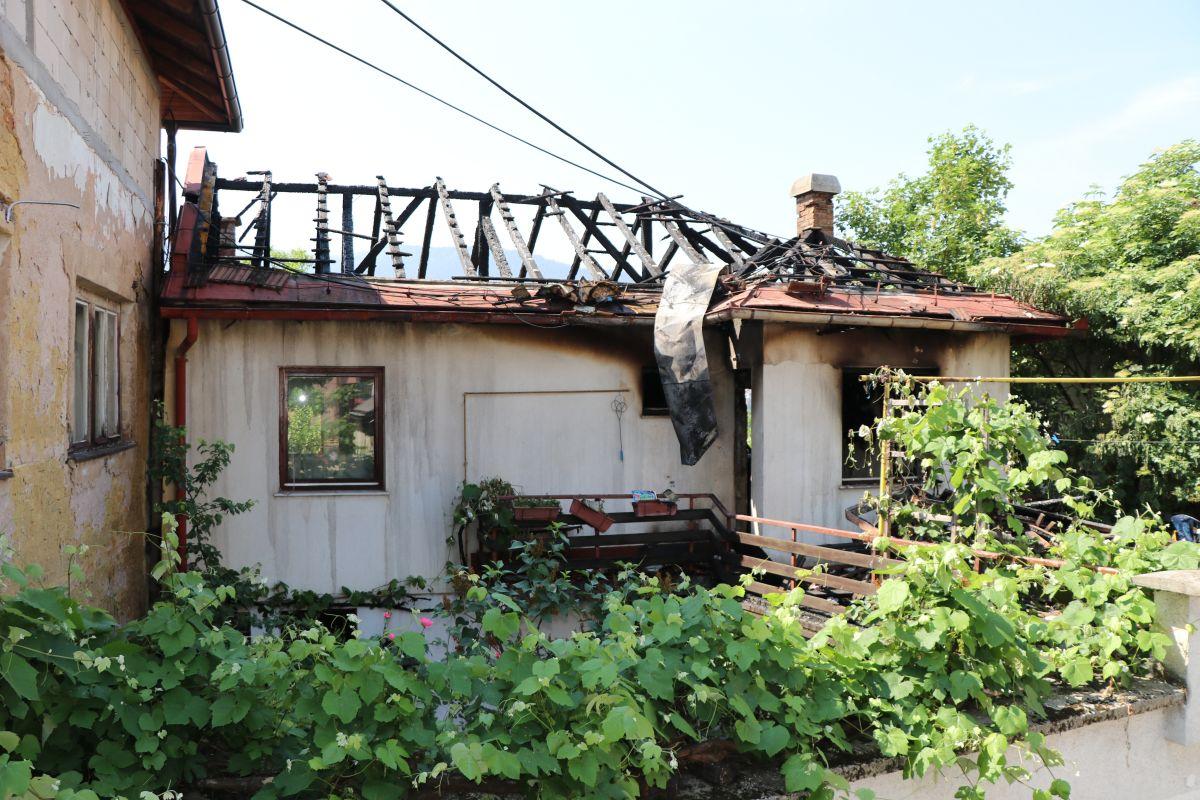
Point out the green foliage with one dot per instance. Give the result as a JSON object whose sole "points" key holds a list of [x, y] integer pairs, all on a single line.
{"points": [[1131, 265], [951, 656], [973, 458], [948, 219], [169, 464], [534, 502], [532, 582], [480, 508]]}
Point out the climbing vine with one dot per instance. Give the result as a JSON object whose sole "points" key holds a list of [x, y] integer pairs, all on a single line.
{"points": [[953, 655]]}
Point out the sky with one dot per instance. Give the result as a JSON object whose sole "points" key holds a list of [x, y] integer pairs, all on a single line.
{"points": [[723, 103]]}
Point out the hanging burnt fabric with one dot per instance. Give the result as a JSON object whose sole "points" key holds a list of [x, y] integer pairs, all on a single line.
{"points": [[682, 361]]}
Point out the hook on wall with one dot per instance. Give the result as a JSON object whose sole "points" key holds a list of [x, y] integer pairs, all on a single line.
{"points": [[10, 207]]}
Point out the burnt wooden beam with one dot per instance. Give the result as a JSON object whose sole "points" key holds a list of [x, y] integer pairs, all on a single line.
{"points": [[589, 222], [536, 228], [321, 250], [456, 234], [389, 230], [244, 185], [672, 249], [583, 257], [494, 246], [430, 216], [631, 241], [347, 264], [528, 265]]}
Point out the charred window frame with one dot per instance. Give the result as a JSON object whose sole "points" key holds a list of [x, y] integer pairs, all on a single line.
{"points": [[343, 450], [862, 404], [96, 378], [654, 396]]}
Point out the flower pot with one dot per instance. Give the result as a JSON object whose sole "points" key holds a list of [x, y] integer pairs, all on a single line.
{"points": [[536, 513], [590, 516], [654, 508]]}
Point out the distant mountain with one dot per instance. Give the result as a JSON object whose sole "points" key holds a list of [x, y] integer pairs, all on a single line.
{"points": [[444, 263]]}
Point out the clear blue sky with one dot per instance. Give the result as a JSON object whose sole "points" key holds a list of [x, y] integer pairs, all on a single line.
{"points": [[725, 103]]}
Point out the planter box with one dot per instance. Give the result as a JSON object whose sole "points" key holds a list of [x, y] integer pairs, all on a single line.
{"points": [[654, 508], [536, 513], [590, 516]]}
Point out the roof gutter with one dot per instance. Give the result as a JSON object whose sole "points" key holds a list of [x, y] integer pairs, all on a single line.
{"points": [[220, 52]]}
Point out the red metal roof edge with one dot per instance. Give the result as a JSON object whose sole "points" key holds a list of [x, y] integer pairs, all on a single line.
{"points": [[308, 296]]}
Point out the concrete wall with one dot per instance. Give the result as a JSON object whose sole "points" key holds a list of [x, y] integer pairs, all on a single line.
{"points": [[78, 123], [461, 402], [796, 417], [1122, 758]]}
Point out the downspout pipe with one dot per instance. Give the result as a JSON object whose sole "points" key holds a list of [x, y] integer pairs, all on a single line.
{"points": [[220, 53], [189, 339]]}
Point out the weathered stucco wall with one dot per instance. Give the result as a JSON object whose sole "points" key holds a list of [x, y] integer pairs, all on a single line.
{"points": [[797, 426], [1121, 758], [461, 401], [78, 123]]}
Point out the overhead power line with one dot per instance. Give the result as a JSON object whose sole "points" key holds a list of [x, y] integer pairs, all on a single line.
{"points": [[526, 105], [365, 62]]}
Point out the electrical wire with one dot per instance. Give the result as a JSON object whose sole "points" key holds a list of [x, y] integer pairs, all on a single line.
{"points": [[444, 102], [523, 103]]}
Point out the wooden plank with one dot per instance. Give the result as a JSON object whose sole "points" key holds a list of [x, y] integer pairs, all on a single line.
{"points": [[819, 578], [528, 265], [389, 228], [581, 253], [493, 243], [822, 554], [456, 235], [630, 239], [815, 603]]}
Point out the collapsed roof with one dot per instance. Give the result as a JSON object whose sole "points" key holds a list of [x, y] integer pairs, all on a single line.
{"points": [[225, 265]]}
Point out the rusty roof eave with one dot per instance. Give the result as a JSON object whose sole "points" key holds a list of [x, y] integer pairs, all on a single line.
{"points": [[574, 318], [370, 313], [909, 322]]}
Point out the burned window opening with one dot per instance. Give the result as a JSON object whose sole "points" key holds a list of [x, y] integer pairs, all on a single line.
{"points": [[654, 396], [862, 404]]}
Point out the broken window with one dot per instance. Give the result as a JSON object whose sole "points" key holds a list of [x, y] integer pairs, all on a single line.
{"points": [[862, 404], [331, 431], [654, 397], [96, 385]]}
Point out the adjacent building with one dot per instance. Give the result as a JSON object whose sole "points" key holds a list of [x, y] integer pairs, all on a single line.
{"points": [[86, 89]]}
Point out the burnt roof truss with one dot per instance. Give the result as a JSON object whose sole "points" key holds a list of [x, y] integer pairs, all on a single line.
{"points": [[606, 240]]}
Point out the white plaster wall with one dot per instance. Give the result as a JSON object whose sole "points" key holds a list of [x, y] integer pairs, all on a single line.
{"points": [[797, 427], [1126, 759], [548, 418]]}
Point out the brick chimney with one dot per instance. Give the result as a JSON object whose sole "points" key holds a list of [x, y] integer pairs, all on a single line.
{"points": [[814, 202]]}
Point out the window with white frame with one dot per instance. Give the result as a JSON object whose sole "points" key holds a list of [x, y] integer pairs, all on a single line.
{"points": [[96, 395]]}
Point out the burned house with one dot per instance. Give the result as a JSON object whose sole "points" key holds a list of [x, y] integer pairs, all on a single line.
{"points": [[678, 350]]}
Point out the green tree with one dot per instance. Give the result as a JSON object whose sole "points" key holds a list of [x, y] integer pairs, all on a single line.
{"points": [[1130, 263], [948, 219]]}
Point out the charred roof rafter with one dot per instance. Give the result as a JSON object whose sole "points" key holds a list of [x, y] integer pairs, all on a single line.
{"points": [[624, 255]]}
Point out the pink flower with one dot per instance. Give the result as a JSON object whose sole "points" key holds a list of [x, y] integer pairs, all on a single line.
{"points": [[426, 622], [391, 637], [387, 615]]}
